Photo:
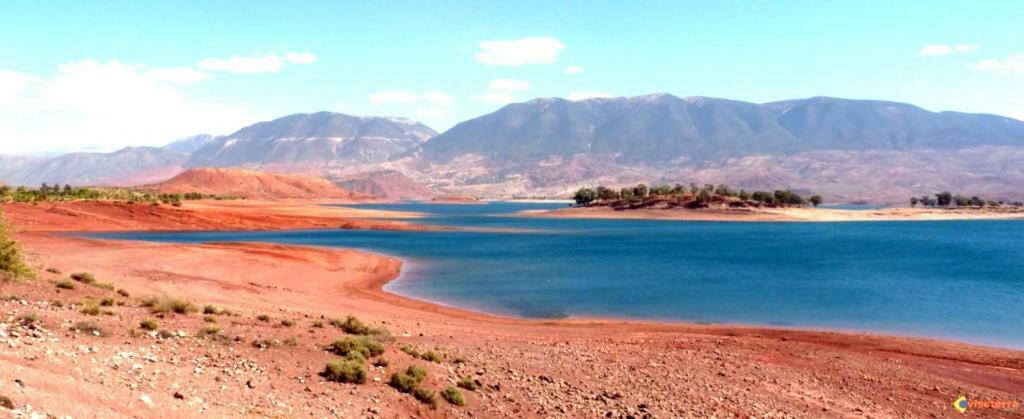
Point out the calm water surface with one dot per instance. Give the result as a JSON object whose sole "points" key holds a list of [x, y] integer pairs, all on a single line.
{"points": [[960, 280]]}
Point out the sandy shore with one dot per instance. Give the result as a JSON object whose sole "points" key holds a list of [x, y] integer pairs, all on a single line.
{"points": [[571, 368], [785, 214]]}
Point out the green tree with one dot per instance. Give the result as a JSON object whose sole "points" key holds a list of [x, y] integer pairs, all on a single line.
{"points": [[606, 194], [943, 199], [640, 191], [913, 201], [816, 200], [585, 196]]}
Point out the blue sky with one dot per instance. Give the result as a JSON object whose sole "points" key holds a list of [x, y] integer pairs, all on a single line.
{"points": [[100, 75]]}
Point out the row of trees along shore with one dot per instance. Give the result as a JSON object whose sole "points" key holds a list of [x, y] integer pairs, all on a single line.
{"points": [[946, 200], [693, 196], [48, 193]]}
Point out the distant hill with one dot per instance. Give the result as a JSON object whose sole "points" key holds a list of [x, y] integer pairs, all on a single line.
{"points": [[661, 130], [189, 145], [388, 184], [314, 138], [250, 184], [128, 166]]}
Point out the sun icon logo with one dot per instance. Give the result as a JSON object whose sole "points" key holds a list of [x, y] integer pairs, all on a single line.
{"points": [[960, 404]]}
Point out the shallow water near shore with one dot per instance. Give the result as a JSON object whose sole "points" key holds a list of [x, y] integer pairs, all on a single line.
{"points": [[960, 280]]}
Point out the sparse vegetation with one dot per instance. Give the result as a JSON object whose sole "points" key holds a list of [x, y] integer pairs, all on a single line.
{"points": [[211, 310], [107, 301], [409, 379], [263, 317], [27, 320], [209, 319], [164, 305], [208, 331], [124, 293], [84, 277], [345, 371], [149, 324], [87, 328], [56, 193], [426, 396], [287, 323], [468, 383], [91, 309], [6, 403], [364, 345], [12, 265], [65, 284], [454, 396], [430, 355], [318, 324]]}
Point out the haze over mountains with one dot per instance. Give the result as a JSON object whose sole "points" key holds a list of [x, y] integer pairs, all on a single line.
{"points": [[845, 149]]}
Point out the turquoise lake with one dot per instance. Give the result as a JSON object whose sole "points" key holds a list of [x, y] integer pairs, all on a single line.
{"points": [[961, 280]]}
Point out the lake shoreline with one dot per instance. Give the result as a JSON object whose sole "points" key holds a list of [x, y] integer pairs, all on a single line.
{"points": [[782, 214], [258, 276]]}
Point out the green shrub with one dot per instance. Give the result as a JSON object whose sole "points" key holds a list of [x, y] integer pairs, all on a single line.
{"points": [[87, 327], [208, 331], [432, 356], [354, 326], [65, 284], [149, 324], [345, 371], [287, 323], [107, 301], [318, 324], [408, 380], [6, 403], [12, 265], [469, 383], [263, 317], [211, 309], [91, 309], [53, 271], [365, 346], [27, 319], [209, 319], [123, 292], [84, 277], [168, 305], [453, 396], [427, 396]]}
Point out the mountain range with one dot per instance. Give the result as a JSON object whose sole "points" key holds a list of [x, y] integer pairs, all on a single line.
{"points": [[846, 149]]}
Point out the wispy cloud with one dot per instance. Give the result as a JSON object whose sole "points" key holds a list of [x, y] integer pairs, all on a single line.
{"points": [[100, 105], [1013, 64], [256, 64], [519, 52], [401, 96], [508, 85], [573, 69], [497, 97], [943, 49]]}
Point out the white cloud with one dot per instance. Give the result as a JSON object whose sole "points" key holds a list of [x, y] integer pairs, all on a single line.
{"points": [[177, 75], [301, 57], [508, 85], [401, 96], [394, 96], [574, 69], [12, 84], [576, 96], [340, 105], [942, 49], [103, 105], [1013, 64], [518, 52], [500, 98], [430, 113], [256, 64], [436, 97]]}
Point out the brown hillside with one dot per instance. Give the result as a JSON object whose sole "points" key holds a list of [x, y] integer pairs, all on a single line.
{"points": [[252, 185]]}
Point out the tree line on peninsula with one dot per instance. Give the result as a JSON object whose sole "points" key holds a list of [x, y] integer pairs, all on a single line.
{"points": [[946, 200], [692, 196], [55, 192]]}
